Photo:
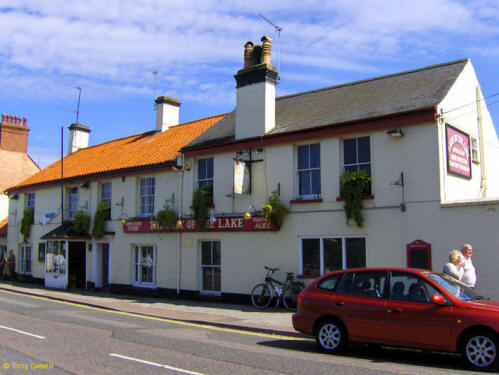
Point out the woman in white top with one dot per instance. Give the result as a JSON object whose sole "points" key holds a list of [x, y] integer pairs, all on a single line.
{"points": [[454, 268]]}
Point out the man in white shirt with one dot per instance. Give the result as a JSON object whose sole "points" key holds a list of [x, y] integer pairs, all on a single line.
{"points": [[469, 275]]}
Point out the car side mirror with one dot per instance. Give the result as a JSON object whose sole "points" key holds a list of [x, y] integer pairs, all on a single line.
{"points": [[438, 299]]}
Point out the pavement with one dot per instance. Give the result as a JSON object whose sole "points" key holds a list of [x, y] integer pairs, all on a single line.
{"points": [[273, 320]]}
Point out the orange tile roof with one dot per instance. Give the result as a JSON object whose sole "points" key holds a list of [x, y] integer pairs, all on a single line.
{"points": [[136, 151], [3, 227]]}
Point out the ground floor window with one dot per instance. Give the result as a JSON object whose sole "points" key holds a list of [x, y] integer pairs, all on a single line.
{"points": [[55, 257], [321, 255], [211, 266], [25, 263], [145, 265]]}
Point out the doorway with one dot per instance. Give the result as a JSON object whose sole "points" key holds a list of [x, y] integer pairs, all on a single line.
{"points": [[77, 265], [105, 264]]}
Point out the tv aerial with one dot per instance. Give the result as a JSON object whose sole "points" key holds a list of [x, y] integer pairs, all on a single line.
{"points": [[78, 105], [278, 30]]}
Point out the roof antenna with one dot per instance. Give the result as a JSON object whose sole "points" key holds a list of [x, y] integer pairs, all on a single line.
{"points": [[155, 74], [278, 30], [79, 97]]}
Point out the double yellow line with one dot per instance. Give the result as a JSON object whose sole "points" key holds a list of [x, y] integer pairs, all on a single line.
{"points": [[160, 319]]}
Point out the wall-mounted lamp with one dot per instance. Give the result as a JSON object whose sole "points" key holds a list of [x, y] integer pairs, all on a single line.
{"points": [[85, 185], [247, 215], [188, 165], [123, 218], [15, 196], [396, 133], [179, 223], [212, 216], [258, 150]]}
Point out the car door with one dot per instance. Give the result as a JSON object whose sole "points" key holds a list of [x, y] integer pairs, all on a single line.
{"points": [[361, 304], [411, 319]]}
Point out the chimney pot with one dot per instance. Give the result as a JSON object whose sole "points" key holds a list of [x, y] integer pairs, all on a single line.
{"points": [[248, 54], [266, 49]]}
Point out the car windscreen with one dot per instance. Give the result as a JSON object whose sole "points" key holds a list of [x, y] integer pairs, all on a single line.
{"points": [[456, 288]]}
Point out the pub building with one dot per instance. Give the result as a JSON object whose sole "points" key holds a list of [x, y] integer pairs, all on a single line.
{"points": [[428, 157]]}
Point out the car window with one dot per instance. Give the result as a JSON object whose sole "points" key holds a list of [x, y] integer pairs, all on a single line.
{"points": [[409, 287], [329, 282], [456, 288], [365, 283]]}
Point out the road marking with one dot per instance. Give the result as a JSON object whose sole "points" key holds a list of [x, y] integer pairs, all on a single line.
{"points": [[161, 319], [22, 332], [156, 364]]}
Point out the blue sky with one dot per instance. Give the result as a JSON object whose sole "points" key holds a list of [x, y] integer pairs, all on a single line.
{"points": [[111, 48]]}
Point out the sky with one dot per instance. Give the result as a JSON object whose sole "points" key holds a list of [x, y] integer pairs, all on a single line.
{"points": [[111, 49]]}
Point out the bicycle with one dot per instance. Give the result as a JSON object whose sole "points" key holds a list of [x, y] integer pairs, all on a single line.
{"points": [[287, 291]]}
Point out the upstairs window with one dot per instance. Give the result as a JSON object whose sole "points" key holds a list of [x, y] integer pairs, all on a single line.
{"points": [[72, 202], [309, 171], [205, 174], [357, 156], [105, 196], [30, 203], [146, 201]]}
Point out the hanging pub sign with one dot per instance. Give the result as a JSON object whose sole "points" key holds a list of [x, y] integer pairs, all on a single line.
{"points": [[242, 177], [458, 152], [216, 224]]}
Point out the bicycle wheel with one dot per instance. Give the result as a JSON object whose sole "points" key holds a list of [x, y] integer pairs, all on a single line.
{"points": [[261, 296], [290, 296]]}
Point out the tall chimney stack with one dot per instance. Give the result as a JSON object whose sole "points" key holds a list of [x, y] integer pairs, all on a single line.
{"points": [[14, 134], [255, 98], [167, 112]]}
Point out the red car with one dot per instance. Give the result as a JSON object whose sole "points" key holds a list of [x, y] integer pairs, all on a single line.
{"points": [[400, 307]]}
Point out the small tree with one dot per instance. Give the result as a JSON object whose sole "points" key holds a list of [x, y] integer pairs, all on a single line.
{"points": [[201, 202], [81, 222], [101, 215], [274, 211], [26, 222], [354, 186]]}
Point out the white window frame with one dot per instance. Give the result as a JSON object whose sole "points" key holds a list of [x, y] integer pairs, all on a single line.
{"points": [[475, 151], [30, 202], [26, 256], [219, 266], [321, 252], [309, 169], [146, 208], [106, 194], [73, 197], [201, 180], [358, 164], [137, 266], [56, 257]]}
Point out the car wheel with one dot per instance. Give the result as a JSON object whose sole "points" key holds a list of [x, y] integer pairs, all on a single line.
{"points": [[330, 336], [479, 350]]}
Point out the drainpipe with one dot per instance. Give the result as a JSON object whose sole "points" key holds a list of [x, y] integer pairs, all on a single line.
{"points": [[180, 173], [483, 184]]}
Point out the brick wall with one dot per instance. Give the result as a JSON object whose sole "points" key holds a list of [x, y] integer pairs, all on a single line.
{"points": [[13, 134]]}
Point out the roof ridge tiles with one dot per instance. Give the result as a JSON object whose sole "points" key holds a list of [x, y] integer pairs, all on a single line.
{"points": [[429, 67]]}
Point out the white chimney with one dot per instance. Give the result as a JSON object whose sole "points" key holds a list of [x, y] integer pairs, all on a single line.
{"points": [[167, 112], [255, 98], [78, 137]]}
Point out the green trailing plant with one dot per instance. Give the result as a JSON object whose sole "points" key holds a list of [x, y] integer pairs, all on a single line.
{"points": [[166, 217], [274, 211], [81, 222], [101, 215], [27, 222], [354, 185], [201, 202]]}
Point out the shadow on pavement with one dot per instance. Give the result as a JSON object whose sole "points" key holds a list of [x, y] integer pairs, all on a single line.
{"points": [[378, 354]]}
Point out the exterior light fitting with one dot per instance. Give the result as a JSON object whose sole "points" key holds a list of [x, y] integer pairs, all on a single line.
{"points": [[247, 215], [396, 133], [179, 223]]}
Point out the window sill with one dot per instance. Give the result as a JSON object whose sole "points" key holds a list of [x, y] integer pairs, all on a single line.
{"points": [[310, 277], [365, 197], [305, 201], [148, 286]]}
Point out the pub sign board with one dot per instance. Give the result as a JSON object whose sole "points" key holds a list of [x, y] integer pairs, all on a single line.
{"points": [[458, 152], [220, 224]]}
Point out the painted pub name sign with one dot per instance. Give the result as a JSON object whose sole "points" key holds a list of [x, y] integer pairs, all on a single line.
{"points": [[220, 224]]}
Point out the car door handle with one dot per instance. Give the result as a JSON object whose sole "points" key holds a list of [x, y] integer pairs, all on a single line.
{"points": [[340, 303], [396, 310]]}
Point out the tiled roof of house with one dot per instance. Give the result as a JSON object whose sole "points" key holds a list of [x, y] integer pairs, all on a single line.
{"points": [[371, 98], [137, 151], [3, 227]]}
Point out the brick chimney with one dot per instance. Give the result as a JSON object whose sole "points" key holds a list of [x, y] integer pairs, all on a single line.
{"points": [[78, 137], [167, 112], [255, 97], [14, 134]]}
